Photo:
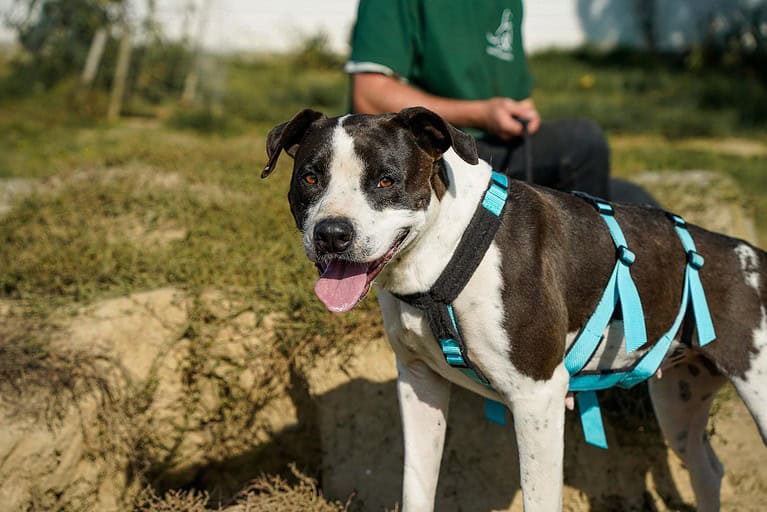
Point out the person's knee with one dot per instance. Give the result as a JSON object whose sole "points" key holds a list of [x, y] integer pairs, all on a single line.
{"points": [[592, 142], [624, 191], [587, 167]]}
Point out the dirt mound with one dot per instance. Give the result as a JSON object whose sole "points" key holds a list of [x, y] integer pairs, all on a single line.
{"points": [[186, 390], [362, 450], [181, 413]]}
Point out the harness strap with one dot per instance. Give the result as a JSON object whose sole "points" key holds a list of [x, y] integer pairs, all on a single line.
{"points": [[475, 241], [591, 419], [587, 384], [646, 366], [620, 289], [703, 323], [455, 356]]}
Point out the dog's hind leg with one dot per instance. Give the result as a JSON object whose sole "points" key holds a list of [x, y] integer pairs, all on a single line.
{"points": [[752, 385], [423, 400], [682, 399]]}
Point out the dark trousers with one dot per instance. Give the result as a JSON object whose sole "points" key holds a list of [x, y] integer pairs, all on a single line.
{"points": [[567, 154]]}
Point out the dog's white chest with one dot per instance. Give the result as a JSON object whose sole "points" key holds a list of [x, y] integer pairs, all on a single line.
{"points": [[409, 333], [413, 326], [480, 319]]}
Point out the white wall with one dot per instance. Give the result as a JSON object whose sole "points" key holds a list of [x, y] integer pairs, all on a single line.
{"points": [[276, 25], [551, 23]]}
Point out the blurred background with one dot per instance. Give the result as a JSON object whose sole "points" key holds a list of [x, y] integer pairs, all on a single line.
{"points": [[160, 344]]}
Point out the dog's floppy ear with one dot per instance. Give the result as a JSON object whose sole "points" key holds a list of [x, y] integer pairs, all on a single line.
{"points": [[435, 135], [288, 136]]}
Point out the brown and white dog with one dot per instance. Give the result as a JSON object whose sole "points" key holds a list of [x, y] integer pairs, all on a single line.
{"points": [[387, 198]]}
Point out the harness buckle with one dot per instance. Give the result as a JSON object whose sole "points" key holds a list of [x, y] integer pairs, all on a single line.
{"points": [[602, 206], [677, 220], [496, 194], [626, 255], [500, 179], [695, 260], [452, 352], [454, 361]]}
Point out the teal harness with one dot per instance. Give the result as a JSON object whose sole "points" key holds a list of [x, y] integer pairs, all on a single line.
{"points": [[621, 289], [437, 305]]}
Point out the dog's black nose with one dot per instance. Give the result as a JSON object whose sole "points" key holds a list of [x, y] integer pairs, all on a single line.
{"points": [[333, 236]]}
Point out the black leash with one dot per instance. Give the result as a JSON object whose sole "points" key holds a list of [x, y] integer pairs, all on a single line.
{"points": [[528, 148]]}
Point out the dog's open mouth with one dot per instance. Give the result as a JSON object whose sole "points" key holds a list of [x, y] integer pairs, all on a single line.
{"points": [[342, 283]]}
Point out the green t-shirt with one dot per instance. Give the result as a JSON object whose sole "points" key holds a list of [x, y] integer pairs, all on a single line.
{"points": [[462, 49]]}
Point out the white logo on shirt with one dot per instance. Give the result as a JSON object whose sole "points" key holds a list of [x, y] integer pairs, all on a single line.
{"points": [[501, 42]]}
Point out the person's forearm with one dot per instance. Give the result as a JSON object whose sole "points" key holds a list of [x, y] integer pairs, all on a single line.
{"points": [[378, 94]]}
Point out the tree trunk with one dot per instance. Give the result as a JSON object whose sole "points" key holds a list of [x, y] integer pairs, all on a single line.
{"points": [[193, 78], [94, 57], [121, 75]]}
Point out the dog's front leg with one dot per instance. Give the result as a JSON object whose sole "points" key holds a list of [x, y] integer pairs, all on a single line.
{"points": [[538, 408], [423, 401]]}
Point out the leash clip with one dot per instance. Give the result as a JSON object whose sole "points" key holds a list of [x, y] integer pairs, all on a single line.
{"points": [[452, 352]]}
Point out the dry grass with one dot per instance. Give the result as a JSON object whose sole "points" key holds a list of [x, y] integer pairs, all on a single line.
{"points": [[40, 383], [266, 494], [171, 501]]}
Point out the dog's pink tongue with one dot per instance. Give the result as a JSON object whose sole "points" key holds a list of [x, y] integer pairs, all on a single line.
{"points": [[342, 285]]}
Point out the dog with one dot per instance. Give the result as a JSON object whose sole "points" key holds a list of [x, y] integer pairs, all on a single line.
{"points": [[386, 199]]}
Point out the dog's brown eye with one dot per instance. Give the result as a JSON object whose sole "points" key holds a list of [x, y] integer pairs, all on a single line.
{"points": [[385, 182], [310, 178]]}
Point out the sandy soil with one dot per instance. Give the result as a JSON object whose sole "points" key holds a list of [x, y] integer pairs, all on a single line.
{"points": [[362, 451]]}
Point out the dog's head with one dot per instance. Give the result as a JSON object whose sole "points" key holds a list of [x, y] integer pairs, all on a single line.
{"points": [[361, 189]]}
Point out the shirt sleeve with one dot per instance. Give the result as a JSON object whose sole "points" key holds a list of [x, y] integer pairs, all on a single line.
{"points": [[384, 39]]}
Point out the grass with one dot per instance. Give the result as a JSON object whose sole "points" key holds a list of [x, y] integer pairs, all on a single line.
{"points": [[632, 93], [61, 247]]}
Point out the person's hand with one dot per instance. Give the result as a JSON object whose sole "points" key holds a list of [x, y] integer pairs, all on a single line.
{"points": [[499, 117]]}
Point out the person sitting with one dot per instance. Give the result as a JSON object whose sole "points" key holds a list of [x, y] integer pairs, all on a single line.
{"points": [[465, 60]]}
